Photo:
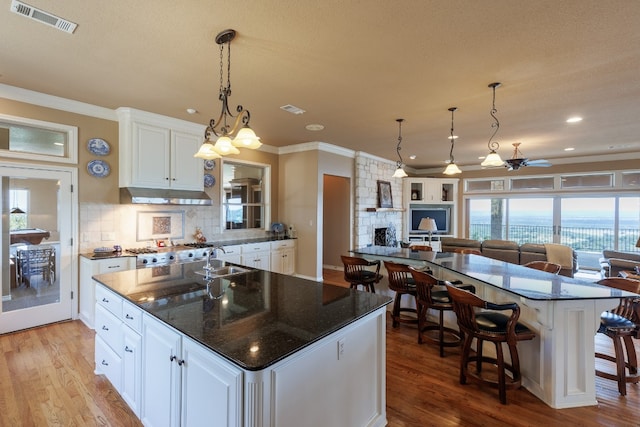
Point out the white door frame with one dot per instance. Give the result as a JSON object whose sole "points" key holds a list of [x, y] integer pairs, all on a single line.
{"points": [[68, 246]]}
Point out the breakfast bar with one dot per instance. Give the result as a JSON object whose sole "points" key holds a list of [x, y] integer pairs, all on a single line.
{"points": [[558, 366]]}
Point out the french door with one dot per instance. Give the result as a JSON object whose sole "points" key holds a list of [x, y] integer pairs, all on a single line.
{"points": [[36, 250]]}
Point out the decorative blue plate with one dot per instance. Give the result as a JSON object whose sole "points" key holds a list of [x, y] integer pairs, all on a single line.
{"points": [[99, 168], [209, 180], [209, 164], [98, 146]]}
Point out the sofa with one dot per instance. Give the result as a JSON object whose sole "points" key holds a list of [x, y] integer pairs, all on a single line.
{"points": [[613, 262], [506, 250]]}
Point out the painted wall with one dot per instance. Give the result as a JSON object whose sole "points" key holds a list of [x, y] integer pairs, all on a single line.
{"points": [[336, 224]]}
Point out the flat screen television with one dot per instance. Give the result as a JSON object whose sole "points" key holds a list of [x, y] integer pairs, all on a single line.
{"points": [[442, 216]]}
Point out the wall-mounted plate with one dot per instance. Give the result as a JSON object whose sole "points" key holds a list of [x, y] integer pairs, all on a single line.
{"points": [[209, 180], [98, 146], [209, 164], [98, 168]]}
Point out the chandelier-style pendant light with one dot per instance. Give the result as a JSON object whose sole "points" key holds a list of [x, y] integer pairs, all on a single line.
{"points": [[493, 158], [399, 173], [452, 168], [221, 128]]}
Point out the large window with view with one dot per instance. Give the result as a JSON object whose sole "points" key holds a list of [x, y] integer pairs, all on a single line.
{"points": [[245, 195]]}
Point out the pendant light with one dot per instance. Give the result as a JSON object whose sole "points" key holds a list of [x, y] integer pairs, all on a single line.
{"points": [[245, 136], [493, 158], [399, 173], [452, 168], [16, 209]]}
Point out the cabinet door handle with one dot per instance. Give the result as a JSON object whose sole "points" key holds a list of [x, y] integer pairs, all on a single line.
{"points": [[104, 328], [104, 362], [172, 358], [105, 300], [127, 349], [114, 266], [166, 178], [128, 317], [180, 362]]}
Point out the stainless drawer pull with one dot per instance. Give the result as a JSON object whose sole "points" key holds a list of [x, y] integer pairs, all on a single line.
{"points": [[128, 317], [104, 328], [127, 349], [105, 300], [104, 362], [113, 266]]}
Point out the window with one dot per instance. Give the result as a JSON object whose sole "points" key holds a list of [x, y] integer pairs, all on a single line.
{"points": [[18, 209], [37, 140], [245, 190]]}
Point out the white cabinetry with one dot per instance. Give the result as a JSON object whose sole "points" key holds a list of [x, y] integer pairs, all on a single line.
{"points": [[88, 269], [257, 255], [118, 353], [422, 196], [157, 151], [283, 256], [186, 384], [232, 253]]}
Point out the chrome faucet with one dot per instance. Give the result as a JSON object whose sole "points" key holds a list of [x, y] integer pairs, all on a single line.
{"points": [[213, 253]]}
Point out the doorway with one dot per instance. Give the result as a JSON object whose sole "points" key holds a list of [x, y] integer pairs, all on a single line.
{"points": [[36, 252], [336, 220]]}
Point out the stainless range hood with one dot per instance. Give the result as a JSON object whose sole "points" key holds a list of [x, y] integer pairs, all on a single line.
{"points": [[156, 196]]}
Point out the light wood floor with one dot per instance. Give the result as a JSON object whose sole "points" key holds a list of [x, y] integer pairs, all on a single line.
{"points": [[47, 379]]}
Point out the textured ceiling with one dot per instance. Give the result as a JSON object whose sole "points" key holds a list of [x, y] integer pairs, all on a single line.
{"points": [[355, 66]]}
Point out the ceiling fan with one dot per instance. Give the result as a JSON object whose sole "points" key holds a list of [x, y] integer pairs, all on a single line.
{"points": [[518, 160]]}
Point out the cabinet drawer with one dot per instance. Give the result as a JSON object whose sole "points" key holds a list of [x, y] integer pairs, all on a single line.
{"points": [[282, 244], [109, 300], [230, 250], [108, 328], [108, 363], [115, 264], [256, 247], [132, 316]]}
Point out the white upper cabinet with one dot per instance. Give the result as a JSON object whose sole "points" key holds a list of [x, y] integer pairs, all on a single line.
{"points": [[157, 151]]}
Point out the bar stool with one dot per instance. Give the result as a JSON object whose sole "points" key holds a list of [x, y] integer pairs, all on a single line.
{"points": [[432, 293], [401, 282], [356, 273], [549, 267], [621, 325], [489, 326]]}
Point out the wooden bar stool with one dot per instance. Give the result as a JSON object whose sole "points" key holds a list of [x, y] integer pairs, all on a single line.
{"points": [[549, 267], [401, 282], [622, 324], [357, 273], [432, 293], [489, 326]]}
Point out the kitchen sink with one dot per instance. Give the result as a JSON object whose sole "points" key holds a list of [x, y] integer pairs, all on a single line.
{"points": [[227, 270]]}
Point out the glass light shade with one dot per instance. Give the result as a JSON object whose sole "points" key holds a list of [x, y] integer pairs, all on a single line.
{"points": [[399, 173], [17, 210], [206, 152], [493, 159], [452, 169], [223, 146], [246, 138]]}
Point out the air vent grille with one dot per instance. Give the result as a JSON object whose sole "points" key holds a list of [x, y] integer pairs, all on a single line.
{"points": [[42, 16], [292, 109]]}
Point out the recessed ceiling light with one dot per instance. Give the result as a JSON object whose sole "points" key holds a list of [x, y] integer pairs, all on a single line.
{"points": [[454, 137], [574, 119], [482, 157], [569, 149], [412, 157], [292, 109], [315, 127], [191, 110]]}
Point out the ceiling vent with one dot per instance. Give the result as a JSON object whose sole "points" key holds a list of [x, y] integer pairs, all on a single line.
{"points": [[292, 109], [42, 16]]}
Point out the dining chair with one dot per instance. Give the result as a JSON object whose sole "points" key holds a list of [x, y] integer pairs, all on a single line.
{"points": [[425, 248], [36, 260], [357, 272], [621, 324], [483, 321]]}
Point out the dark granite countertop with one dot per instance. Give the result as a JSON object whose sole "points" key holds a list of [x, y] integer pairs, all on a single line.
{"points": [[517, 279], [259, 319]]}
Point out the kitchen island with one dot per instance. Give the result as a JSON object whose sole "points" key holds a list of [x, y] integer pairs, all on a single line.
{"points": [[558, 366], [249, 349]]}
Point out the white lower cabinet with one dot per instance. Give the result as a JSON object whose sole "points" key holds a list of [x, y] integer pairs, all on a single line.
{"points": [[257, 255], [283, 256], [131, 388], [183, 383]]}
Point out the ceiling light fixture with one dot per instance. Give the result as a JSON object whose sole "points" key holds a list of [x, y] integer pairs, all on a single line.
{"points": [[574, 119], [399, 173], [452, 168], [493, 158], [245, 137]]}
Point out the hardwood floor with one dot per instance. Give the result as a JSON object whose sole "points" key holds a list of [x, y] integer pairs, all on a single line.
{"points": [[46, 378]]}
